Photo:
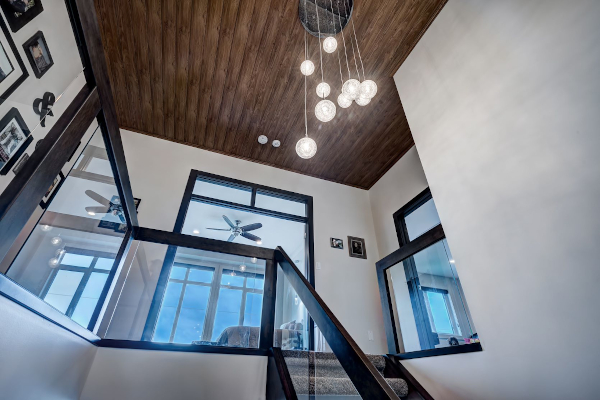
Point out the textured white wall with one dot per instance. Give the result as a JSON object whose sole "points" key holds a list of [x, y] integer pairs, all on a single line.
{"points": [[502, 99], [159, 171], [39, 360], [158, 375]]}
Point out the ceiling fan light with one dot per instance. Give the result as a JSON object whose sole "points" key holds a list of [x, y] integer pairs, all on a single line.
{"points": [[306, 147], [363, 101], [329, 44], [323, 90], [307, 67], [368, 89], [325, 110], [352, 88], [344, 100]]}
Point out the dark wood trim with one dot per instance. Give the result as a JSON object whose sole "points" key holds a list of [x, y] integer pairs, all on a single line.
{"points": [[94, 60], [200, 243], [442, 351], [427, 239], [190, 348], [282, 380], [400, 223], [366, 379], [402, 372], [267, 320], [14, 292], [185, 202], [24, 193]]}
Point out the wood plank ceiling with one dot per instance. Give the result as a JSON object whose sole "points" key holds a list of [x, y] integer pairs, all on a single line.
{"points": [[216, 74]]}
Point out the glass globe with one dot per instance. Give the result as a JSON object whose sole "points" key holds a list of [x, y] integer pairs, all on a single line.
{"points": [[307, 67], [329, 44], [344, 100], [53, 262], [352, 88], [368, 89], [56, 241], [325, 110], [323, 90], [306, 147], [363, 101]]}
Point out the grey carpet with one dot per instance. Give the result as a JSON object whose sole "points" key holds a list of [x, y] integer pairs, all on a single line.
{"points": [[322, 374]]}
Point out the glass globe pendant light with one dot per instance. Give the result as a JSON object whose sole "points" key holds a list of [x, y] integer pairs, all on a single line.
{"points": [[306, 147], [330, 44], [363, 101], [323, 90], [351, 88], [325, 110], [368, 89], [344, 100], [307, 67]]}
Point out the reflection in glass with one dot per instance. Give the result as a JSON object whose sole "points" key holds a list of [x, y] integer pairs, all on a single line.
{"points": [[273, 202], [223, 191], [422, 219], [428, 302]]}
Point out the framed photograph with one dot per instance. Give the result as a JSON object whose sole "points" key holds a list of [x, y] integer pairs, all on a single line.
{"points": [[52, 190], [38, 54], [356, 247], [18, 13], [14, 139], [336, 243], [12, 67]]}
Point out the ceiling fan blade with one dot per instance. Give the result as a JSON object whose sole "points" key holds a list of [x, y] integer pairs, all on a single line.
{"points": [[251, 227], [233, 235], [95, 196], [217, 229], [250, 236], [229, 222], [97, 210]]}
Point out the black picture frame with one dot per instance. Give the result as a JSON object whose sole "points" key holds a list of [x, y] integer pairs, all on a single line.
{"points": [[9, 159], [52, 190], [38, 37], [336, 243], [356, 247], [17, 20], [6, 92]]}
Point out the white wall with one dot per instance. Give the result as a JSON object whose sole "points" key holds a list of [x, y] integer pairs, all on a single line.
{"points": [[39, 360], [502, 99], [159, 170], [158, 375]]}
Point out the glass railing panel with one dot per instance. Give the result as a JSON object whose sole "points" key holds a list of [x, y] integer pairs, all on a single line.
{"points": [[428, 303], [70, 254], [170, 294]]}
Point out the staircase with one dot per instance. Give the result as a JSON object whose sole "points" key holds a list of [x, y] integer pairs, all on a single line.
{"points": [[321, 374]]}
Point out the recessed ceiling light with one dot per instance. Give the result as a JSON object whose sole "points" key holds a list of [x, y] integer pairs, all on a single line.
{"points": [[195, 231], [242, 267], [91, 213], [53, 262], [262, 139], [56, 240], [452, 261], [253, 260], [46, 228], [276, 143], [259, 242]]}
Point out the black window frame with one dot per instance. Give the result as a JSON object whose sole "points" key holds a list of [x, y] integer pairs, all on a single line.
{"points": [[408, 248]]}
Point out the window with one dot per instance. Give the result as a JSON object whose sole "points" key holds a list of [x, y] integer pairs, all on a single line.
{"points": [[427, 306], [201, 302], [76, 284]]}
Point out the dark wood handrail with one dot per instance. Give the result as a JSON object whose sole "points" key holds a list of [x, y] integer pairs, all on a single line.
{"points": [[366, 379]]}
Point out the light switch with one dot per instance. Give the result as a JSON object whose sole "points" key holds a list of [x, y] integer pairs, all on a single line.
{"points": [[370, 336], [318, 265]]}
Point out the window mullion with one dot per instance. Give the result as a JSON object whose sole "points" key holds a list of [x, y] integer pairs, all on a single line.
{"points": [[213, 298]]}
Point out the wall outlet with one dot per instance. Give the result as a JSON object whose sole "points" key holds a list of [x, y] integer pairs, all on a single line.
{"points": [[318, 265], [371, 339]]}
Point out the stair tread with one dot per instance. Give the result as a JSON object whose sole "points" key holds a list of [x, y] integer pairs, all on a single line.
{"points": [[339, 386]]}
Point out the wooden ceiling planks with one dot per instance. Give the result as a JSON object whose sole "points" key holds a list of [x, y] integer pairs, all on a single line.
{"points": [[216, 74]]}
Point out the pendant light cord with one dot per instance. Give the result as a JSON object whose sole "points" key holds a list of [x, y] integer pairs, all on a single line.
{"points": [[338, 53], [306, 58], [343, 39], [320, 51], [358, 48], [346, 6]]}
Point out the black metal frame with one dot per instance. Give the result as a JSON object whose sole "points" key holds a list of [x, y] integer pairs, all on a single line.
{"points": [[404, 255]]}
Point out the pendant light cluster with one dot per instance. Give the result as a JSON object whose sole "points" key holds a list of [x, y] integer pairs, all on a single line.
{"points": [[353, 90]]}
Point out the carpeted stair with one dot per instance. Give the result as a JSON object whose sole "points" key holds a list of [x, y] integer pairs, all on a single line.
{"points": [[322, 375]]}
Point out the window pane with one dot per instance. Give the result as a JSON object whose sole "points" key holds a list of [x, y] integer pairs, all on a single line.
{"points": [[253, 309], [255, 283], [228, 311], [421, 220], [189, 325], [230, 278], [89, 298], [200, 275], [62, 289], [270, 202], [222, 191], [178, 273], [77, 260], [172, 293], [439, 312], [196, 296], [164, 326], [105, 263]]}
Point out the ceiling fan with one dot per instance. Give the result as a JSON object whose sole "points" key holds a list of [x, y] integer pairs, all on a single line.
{"points": [[237, 230], [108, 207]]}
